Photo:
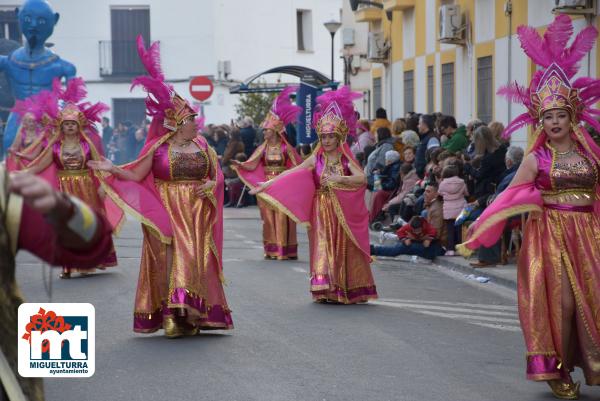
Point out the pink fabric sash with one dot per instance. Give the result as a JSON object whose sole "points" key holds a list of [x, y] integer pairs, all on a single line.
{"points": [[511, 202], [519, 199], [252, 177], [294, 195]]}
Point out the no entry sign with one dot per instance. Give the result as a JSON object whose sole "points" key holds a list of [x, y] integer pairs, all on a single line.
{"points": [[201, 88]]}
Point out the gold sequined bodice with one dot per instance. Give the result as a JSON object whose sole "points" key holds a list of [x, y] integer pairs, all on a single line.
{"points": [[333, 167], [72, 158], [274, 160], [188, 166], [573, 179], [574, 175]]}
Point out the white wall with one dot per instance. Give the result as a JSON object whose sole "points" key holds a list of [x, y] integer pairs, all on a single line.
{"points": [[421, 84], [431, 32], [408, 33], [484, 11]]}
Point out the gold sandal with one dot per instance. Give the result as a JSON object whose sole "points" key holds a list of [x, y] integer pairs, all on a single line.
{"points": [[564, 391]]}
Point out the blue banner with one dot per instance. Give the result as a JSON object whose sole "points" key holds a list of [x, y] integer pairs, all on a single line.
{"points": [[306, 98]]}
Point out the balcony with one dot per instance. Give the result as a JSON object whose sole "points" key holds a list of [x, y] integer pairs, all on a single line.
{"points": [[398, 5], [368, 14], [119, 59]]}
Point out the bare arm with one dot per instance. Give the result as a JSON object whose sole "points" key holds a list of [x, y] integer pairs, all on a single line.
{"points": [[527, 171], [357, 178], [307, 164], [138, 173], [46, 160]]}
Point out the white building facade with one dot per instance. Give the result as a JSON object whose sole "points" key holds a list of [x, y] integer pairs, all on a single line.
{"points": [[196, 37]]}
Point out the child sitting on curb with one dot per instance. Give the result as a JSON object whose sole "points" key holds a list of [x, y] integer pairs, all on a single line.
{"points": [[418, 237]]}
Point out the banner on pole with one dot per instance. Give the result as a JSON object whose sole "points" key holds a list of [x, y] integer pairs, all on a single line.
{"points": [[306, 98]]}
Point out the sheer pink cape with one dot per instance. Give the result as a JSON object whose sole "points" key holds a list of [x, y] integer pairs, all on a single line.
{"points": [[519, 199], [252, 178], [294, 194]]}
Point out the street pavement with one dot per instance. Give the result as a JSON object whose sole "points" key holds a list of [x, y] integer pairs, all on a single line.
{"points": [[432, 335]]}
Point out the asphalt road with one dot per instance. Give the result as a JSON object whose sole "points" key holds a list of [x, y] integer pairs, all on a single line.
{"points": [[431, 336]]}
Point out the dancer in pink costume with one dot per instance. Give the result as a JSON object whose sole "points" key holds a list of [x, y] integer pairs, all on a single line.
{"points": [[327, 192], [559, 263], [175, 188], [274, 156]]}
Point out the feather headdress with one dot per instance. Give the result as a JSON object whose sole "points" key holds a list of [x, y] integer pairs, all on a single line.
{"points": [[283, 111], [51, 108], [162, 101], [335, 113], [550, 87]]}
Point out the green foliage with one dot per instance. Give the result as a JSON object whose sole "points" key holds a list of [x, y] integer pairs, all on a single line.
{"points": [[255, 105]]}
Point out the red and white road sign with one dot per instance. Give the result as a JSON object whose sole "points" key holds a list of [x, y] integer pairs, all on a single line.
{"points": [[201, 88]]}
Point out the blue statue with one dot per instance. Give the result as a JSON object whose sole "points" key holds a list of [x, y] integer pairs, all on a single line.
{"points": [[31, 68]]}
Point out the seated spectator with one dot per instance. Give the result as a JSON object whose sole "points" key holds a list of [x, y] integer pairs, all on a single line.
{"points": [[487, 257], [410, 138], [486, 168], [418, 237], [389, 179], [376, 159], [453, 191], [364, 137], [428, 141], [398, 127], [457, 136], [408, 177], [408, 155]]}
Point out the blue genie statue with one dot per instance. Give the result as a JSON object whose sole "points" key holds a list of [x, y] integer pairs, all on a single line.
{"points": [[31, 68]]}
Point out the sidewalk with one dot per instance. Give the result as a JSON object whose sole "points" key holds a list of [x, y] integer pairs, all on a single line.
{"points": [[505, 275]]}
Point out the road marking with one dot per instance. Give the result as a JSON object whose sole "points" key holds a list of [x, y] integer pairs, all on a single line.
{"points": [[300, 270], [499, 317], [239, 236], [478, 310], [486, 306]]}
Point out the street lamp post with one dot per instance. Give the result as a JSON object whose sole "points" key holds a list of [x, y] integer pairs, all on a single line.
{"points": [[332, 26]]}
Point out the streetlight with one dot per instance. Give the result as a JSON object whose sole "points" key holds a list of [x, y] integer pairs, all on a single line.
{"points": [[332, 26]]}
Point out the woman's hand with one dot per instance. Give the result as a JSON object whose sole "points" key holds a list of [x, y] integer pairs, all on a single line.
{"points": [[258, 189], [36, 192], [236, 163], [334, 178], [203, 190], [102, 165]]}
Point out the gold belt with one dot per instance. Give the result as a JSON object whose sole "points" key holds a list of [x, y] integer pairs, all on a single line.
{"points": [[66, 173], [566, 196], [274, 169]]}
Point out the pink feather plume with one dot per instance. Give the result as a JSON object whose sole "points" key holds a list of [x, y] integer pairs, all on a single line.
{"points": [[159, 92], [557, 36], [284, 108], [515, 93], [94, 112], [533, 45], [519, 122]]}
